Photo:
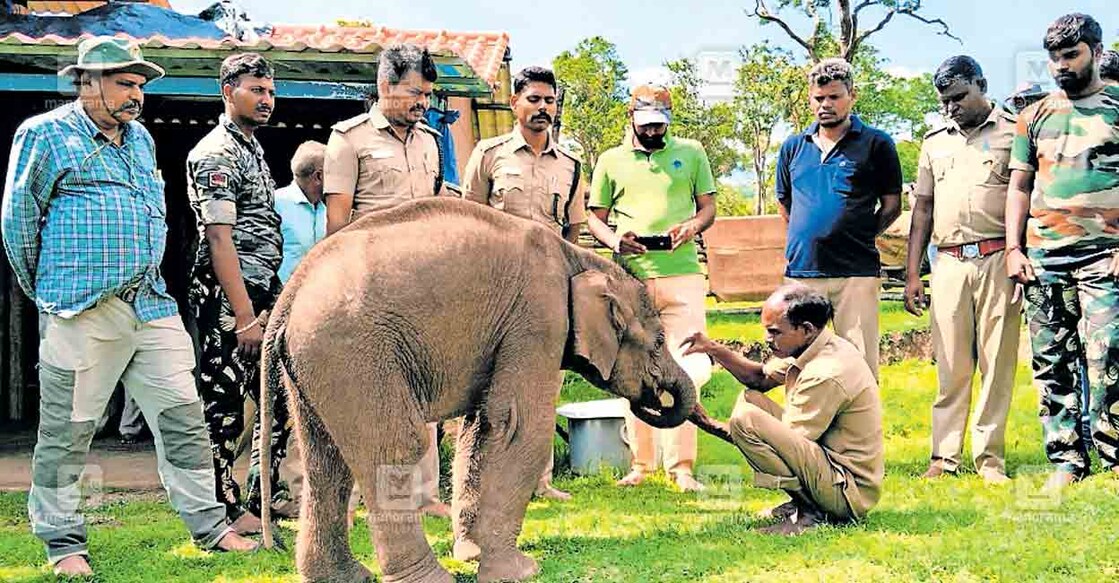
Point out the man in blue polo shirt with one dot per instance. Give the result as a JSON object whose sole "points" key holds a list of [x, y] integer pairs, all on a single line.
{"points": [[839, 185]]}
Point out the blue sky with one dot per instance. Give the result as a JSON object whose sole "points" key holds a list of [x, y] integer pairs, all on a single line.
{"points": [[649, 32]]}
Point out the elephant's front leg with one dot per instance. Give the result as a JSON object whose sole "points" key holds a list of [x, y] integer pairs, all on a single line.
{"points": [[503, 448]]}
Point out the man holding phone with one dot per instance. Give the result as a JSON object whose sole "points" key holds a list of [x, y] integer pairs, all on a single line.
{"points": [[660, 190]]}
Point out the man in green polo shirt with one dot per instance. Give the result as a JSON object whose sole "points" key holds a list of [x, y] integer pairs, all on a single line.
{"points": [[657, 185]]}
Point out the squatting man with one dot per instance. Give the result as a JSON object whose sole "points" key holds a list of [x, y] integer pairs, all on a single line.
{"points": [[824, 447]]}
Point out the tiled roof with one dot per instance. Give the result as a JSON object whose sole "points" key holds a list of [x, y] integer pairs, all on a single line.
{"points": [[77, 7], [483, 51]]}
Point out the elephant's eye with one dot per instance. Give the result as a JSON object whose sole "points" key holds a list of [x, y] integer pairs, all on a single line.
{"points": [[659, 342]]}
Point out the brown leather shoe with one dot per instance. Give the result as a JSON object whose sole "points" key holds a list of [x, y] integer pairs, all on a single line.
{"points": [[781, 511], [73, 566], [994, 478], [803, 520], [937, 470]]}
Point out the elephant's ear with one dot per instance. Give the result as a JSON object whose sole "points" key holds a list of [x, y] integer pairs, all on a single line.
{"points": [[596, 321]]}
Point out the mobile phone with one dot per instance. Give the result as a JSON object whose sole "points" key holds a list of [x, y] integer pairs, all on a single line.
{"points": [[655, 242]]}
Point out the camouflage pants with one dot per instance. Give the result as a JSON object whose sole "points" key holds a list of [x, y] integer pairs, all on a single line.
{"points": [[1074, 319], [223, 382]]}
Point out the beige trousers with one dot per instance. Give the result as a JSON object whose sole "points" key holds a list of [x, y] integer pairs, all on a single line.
{"points": [[974, 322], [680, 301], [855, 300], [783, 459]]}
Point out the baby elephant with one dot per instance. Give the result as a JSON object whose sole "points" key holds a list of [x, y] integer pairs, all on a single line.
{"points": [[438, 309]]}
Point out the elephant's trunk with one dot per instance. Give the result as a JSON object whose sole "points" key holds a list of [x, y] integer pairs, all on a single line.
{"points": [[652, 407]]}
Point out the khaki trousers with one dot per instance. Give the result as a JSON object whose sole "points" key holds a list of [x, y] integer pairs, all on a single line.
{"points": [[680, 301], [855, 300], [974, 321], [80, 361], [784, 459]]}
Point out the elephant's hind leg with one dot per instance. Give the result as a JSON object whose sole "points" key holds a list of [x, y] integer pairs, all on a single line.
{"points": [[323, 547]]}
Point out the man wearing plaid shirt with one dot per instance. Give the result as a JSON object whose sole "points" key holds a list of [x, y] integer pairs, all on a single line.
{"points": [[84, 229]]}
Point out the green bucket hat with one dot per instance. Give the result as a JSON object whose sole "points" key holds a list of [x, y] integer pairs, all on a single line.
{"points": [[110, 54]]}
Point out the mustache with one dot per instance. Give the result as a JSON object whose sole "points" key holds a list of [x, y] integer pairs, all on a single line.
{"points": [[131, 105], [542, 116]]}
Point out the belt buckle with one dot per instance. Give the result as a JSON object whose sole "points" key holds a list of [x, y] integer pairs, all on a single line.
{"points": [[970, 250]]}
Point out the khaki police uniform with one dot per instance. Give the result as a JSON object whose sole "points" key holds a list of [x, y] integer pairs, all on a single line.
{"points": [[505, 173], [826, 442], [367, 160], [974, 318]]}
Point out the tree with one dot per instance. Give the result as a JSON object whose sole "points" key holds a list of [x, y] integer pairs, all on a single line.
{"points": [[594, 109], [851, 34], [892, 103], [769, 91], [710, 125]]}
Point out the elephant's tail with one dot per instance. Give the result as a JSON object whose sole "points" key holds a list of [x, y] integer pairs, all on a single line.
{"points": [[273, 360]]}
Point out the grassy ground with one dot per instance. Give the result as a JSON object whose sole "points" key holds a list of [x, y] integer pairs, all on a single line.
{"points": [[957, 529]]}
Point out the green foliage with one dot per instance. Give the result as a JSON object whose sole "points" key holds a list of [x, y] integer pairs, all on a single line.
{"points": [[908, 153], [594, 108], [711, 125], [769, 90], [731, 201], [892, 103]]}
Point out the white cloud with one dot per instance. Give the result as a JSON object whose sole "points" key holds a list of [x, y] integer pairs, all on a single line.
{"points": [[905, 72], [649, 75]]}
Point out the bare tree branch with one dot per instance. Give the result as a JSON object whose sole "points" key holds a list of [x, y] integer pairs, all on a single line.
{"points": [[849, 51], [762, 12], [944, 29]]}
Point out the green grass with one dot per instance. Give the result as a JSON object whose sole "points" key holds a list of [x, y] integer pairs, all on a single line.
{"points": [[956, 529]]}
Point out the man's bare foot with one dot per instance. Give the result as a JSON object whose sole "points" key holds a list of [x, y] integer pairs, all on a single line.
{"points": [[73, 566], [235, 543], [436, 509], [549, 492], [633, 478], [687, 483], [246, 524], [1059, 480]]}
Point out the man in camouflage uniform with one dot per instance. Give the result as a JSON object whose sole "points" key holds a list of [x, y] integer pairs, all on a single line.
{"points": [[235, 279], [384, 158], [1065, 175], [975, 313]]}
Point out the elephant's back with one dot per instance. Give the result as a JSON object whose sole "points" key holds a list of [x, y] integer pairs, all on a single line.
{"points": [[433, 257]]}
